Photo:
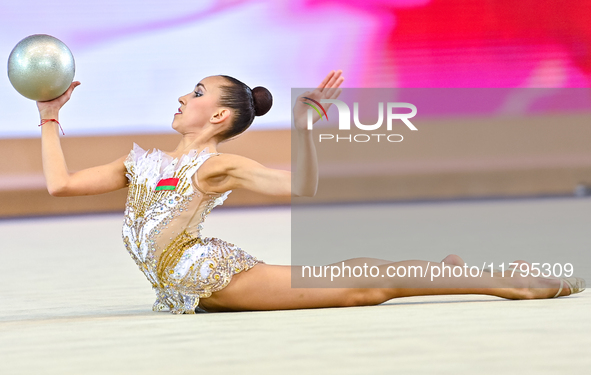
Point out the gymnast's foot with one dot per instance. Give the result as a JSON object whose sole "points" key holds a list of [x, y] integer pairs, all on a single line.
{"points": [[542, 287]]}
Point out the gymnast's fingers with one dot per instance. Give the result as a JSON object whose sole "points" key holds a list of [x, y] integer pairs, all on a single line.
{"points": [[325, 80], [334, 79], [330, 92]]}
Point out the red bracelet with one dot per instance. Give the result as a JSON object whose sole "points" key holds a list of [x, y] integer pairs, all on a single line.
{"points": [[43, 122]]}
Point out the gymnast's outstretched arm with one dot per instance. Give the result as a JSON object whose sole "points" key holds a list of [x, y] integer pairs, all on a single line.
{"points": [[60, 182], [305, 179], [229, 172]]}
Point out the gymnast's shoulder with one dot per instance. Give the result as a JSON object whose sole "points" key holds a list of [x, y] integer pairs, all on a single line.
{"points": [[230, 171]]}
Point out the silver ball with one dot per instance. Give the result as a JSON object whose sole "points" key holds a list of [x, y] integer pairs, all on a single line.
{"points": [[41, 67]]}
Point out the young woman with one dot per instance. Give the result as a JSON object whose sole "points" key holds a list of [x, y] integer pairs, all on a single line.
{"points": [[171, 193]]}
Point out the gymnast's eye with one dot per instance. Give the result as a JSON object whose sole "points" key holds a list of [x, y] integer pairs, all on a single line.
{"points": [[198, 93]]}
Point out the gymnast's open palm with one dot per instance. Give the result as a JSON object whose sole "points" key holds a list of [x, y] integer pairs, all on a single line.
{"points": [[328, 89]]}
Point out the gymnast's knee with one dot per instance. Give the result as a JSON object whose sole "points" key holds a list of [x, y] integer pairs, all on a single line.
{"points": [[366, 296]]}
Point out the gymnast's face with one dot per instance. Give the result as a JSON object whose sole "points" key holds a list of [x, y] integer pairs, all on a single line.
{"points": [[200, 107]]}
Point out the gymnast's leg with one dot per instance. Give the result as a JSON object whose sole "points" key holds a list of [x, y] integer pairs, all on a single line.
{"points": [[269, 287]]}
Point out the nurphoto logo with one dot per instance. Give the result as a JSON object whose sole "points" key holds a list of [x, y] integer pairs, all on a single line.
{"points": [[319, 114], [345, 120]]}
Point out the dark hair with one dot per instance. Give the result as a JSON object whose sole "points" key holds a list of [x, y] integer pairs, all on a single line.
{"points": [[246, 104]]}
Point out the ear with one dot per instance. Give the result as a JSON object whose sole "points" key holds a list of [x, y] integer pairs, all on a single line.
{"points": [[220, 116]]}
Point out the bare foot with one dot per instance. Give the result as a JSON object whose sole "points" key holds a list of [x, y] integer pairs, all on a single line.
{"points": [[541, 287], [547, 288]]}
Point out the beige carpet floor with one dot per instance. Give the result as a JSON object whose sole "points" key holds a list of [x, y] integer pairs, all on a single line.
{"points": [[73, 302]]}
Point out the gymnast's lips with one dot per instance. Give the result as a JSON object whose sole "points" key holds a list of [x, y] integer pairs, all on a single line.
{"points": [[179, 112]]}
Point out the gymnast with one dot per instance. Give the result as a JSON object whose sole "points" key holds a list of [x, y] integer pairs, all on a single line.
{"points": [[171, 193]]}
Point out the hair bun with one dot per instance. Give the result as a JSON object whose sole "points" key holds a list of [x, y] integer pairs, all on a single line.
{"points": [[263, 100]]}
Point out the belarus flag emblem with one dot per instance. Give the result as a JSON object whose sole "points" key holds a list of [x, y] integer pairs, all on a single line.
{"points": [[167, 184]]}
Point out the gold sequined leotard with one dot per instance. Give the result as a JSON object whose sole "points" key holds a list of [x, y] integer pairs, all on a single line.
{"points": [[162, 230]]}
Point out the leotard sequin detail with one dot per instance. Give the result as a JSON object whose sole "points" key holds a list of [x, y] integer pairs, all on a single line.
{"points": [[162, 231]]}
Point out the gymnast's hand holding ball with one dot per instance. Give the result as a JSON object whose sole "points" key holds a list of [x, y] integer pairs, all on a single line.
{"points": [[50, 109], [41, 68]]}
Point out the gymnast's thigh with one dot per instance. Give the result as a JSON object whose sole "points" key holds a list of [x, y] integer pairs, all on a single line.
{"points": [[268, 287]]}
